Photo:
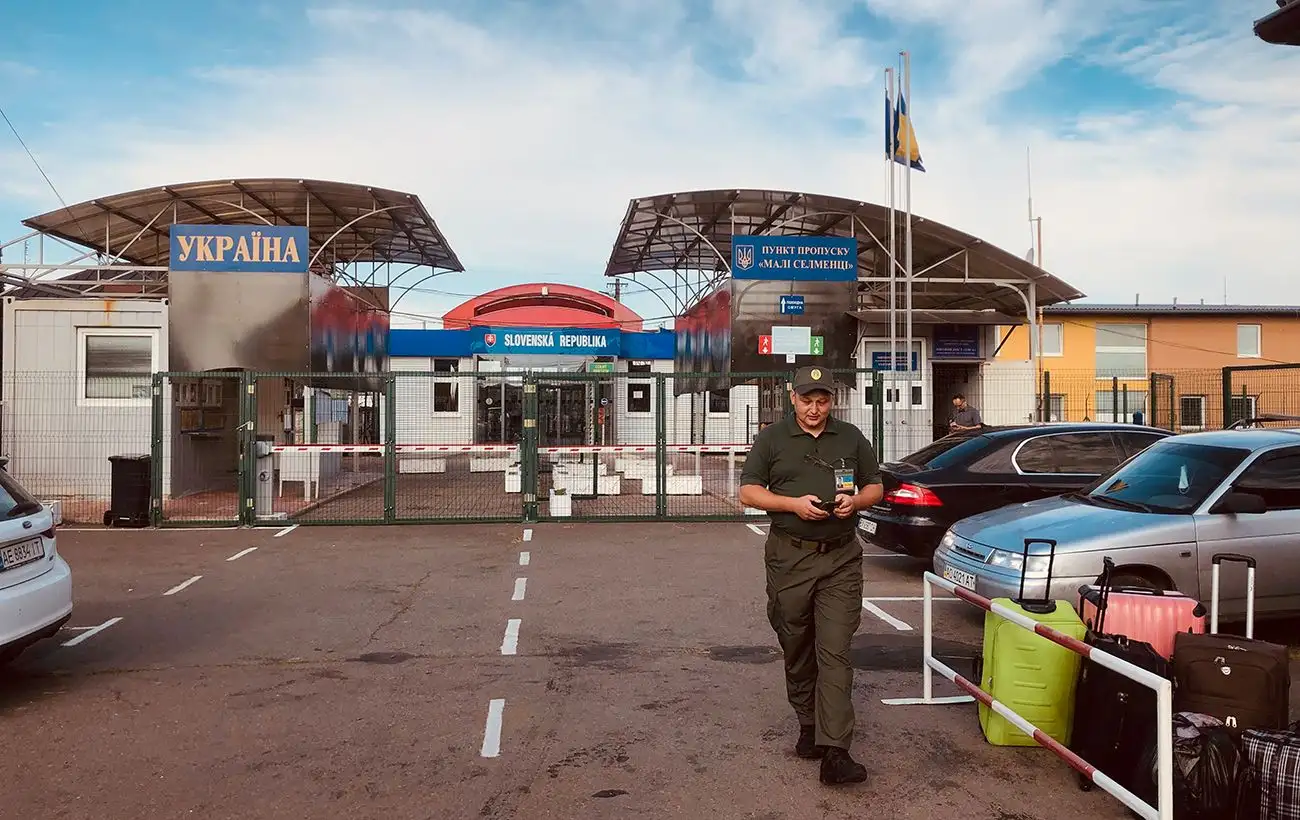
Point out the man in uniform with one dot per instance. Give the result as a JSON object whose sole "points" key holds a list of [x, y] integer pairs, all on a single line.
{"points": [[812, 473], [964, 417]]}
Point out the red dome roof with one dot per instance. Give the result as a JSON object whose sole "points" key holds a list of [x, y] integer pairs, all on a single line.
{"points": [[542, 305]]}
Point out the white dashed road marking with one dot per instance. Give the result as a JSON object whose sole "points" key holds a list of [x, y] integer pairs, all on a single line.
{"points": [[241, 554], [528, 535], [286, 531], [510, 644], [901, 626], [520, 584], [756, 530], [492, 729], [90, 631], [182, 585], [524, 558]]}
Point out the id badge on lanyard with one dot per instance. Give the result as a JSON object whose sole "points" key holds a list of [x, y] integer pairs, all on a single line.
{"points": [[844, 479]]}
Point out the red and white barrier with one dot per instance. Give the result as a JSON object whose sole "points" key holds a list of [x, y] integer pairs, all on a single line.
{"points": [[702, 449], [1164, 809]]}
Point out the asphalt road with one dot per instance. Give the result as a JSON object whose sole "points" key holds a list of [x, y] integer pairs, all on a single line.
{"points": [[409, 672]]}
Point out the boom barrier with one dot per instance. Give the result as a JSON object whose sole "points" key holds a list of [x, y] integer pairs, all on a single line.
{"points": [[1164, 808]]}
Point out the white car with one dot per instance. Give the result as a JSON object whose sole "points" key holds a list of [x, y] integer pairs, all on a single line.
{"points": [[35, 581]]}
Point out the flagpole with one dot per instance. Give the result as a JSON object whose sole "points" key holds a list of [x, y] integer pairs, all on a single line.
{"points": [[907, 195], [892, 397]]}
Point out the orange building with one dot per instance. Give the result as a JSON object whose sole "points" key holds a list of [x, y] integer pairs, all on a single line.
{"points": [[1167, 362]]}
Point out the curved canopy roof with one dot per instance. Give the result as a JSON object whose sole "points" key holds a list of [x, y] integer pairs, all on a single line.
{"points": [[692, 230], [1281, 27], [372, 224], [542, 305]]}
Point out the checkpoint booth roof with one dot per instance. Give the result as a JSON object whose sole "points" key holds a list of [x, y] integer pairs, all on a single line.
{"points": [[688, 234], [1282, 26], [129, 232]]}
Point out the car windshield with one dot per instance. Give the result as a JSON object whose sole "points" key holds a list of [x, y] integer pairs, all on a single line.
{"points": [[947, 451], [1168, 477]]}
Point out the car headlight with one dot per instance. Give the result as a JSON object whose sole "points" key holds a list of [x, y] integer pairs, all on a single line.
{"points": [[1015, 561], [948, 541]]}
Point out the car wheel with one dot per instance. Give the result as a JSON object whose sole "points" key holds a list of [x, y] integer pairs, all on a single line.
{"points": [[1139, 580]]}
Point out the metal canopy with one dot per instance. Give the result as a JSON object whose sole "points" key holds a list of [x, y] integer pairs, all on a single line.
{"points": [[1281, 27], [691, 231], [944, 317], [374, 225]]}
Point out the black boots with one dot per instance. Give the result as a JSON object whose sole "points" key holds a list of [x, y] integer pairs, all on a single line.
{"points": [[806, 747], [838, 768]]}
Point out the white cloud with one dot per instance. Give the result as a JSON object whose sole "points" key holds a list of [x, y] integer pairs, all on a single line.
{"points": [[527, 137]]}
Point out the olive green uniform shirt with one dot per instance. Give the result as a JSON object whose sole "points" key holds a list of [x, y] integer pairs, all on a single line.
{"points": [[779, 461]]}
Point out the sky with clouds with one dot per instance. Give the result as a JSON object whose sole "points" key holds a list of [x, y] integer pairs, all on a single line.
{"points": [[1163, 134]]}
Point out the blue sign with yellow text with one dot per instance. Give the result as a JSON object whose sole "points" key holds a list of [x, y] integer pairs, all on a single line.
{"points": [[805, 258], [263, 248], [507, 341]]}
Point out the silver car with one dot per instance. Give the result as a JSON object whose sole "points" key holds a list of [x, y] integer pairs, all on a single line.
{"points": [[1160, 516]]}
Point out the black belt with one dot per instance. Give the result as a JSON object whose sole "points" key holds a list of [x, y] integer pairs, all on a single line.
{"points": [[820, 545]]}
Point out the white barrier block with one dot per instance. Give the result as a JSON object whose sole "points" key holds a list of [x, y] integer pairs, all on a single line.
{"points": [[683, 485], [421, 464], [560, 505], [609, 485], [514, 480], [488, 464]]}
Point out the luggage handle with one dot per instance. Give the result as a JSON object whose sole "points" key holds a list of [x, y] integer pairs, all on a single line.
{"points": [[1044, 605], [1236, 558]]}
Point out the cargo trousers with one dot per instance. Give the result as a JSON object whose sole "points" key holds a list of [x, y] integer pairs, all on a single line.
{"points": [[814, 604]]}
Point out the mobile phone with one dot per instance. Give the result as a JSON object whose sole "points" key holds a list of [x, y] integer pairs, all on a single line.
{"points": [[827, 506]]}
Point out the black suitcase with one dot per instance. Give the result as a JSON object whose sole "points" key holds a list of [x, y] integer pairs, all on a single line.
{"points": [[1115, 716], [1241, 681]]}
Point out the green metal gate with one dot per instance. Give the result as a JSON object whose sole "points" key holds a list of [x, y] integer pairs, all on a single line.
{"points": [[268, 449]]}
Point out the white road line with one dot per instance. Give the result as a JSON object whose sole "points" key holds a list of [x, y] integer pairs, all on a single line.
{"points": [[520, 583], [901, 626], [241, 554], [895, 599], [528, 535], [90, 631], [510, 644], [524, 558], [286, 531], [182, 585], [884, 555], [756, 530], [492, 729]]}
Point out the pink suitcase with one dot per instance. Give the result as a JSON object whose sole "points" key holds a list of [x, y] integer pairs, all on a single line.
{"points": [[1149, 615]]}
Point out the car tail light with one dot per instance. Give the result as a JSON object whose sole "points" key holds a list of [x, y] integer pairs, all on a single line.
{"points": [[910, 495], [49, 533]]}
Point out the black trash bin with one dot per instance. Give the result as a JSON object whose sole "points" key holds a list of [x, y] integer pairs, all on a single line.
{"points": [[132, 477]]}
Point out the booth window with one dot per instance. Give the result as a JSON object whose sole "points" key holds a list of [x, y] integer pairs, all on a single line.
{"points": [[116, 366], [638, 366], [638, 397], [719, 401], [445, 399]]}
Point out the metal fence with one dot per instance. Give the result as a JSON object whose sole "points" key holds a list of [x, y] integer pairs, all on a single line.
{"points": [[431, 447], [232, 447]]}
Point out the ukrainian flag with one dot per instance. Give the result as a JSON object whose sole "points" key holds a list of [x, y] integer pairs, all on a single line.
{"points": [[896, 138]]}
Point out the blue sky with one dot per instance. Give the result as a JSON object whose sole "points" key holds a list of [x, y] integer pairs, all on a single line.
{"points": [[1163, 133]]}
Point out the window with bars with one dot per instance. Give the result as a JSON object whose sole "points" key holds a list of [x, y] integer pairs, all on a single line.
{"points": [[1191, 412]]}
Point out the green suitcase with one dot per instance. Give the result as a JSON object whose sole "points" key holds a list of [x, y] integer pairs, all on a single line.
{"points": [[1032, 676]]}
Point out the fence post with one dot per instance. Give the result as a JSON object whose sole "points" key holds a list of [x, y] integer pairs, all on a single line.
{"points": [[390, 447], [529, 463], [1226, 387], [247, 437], [661, 444], [1046, 404], [156, 453], [1114, 398], [878, 413]]}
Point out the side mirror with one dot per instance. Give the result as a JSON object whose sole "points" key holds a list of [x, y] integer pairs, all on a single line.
{"points": [[1239, 503]]}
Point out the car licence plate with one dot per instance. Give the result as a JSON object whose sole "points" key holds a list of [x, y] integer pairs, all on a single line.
{"points": [[867, 526], [15, 555], [960, 577]]}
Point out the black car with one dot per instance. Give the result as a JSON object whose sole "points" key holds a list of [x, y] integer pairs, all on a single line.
{"points": [[963, 474]]}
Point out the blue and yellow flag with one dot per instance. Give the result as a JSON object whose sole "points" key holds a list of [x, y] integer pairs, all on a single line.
{"points": [[896, 138]]}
